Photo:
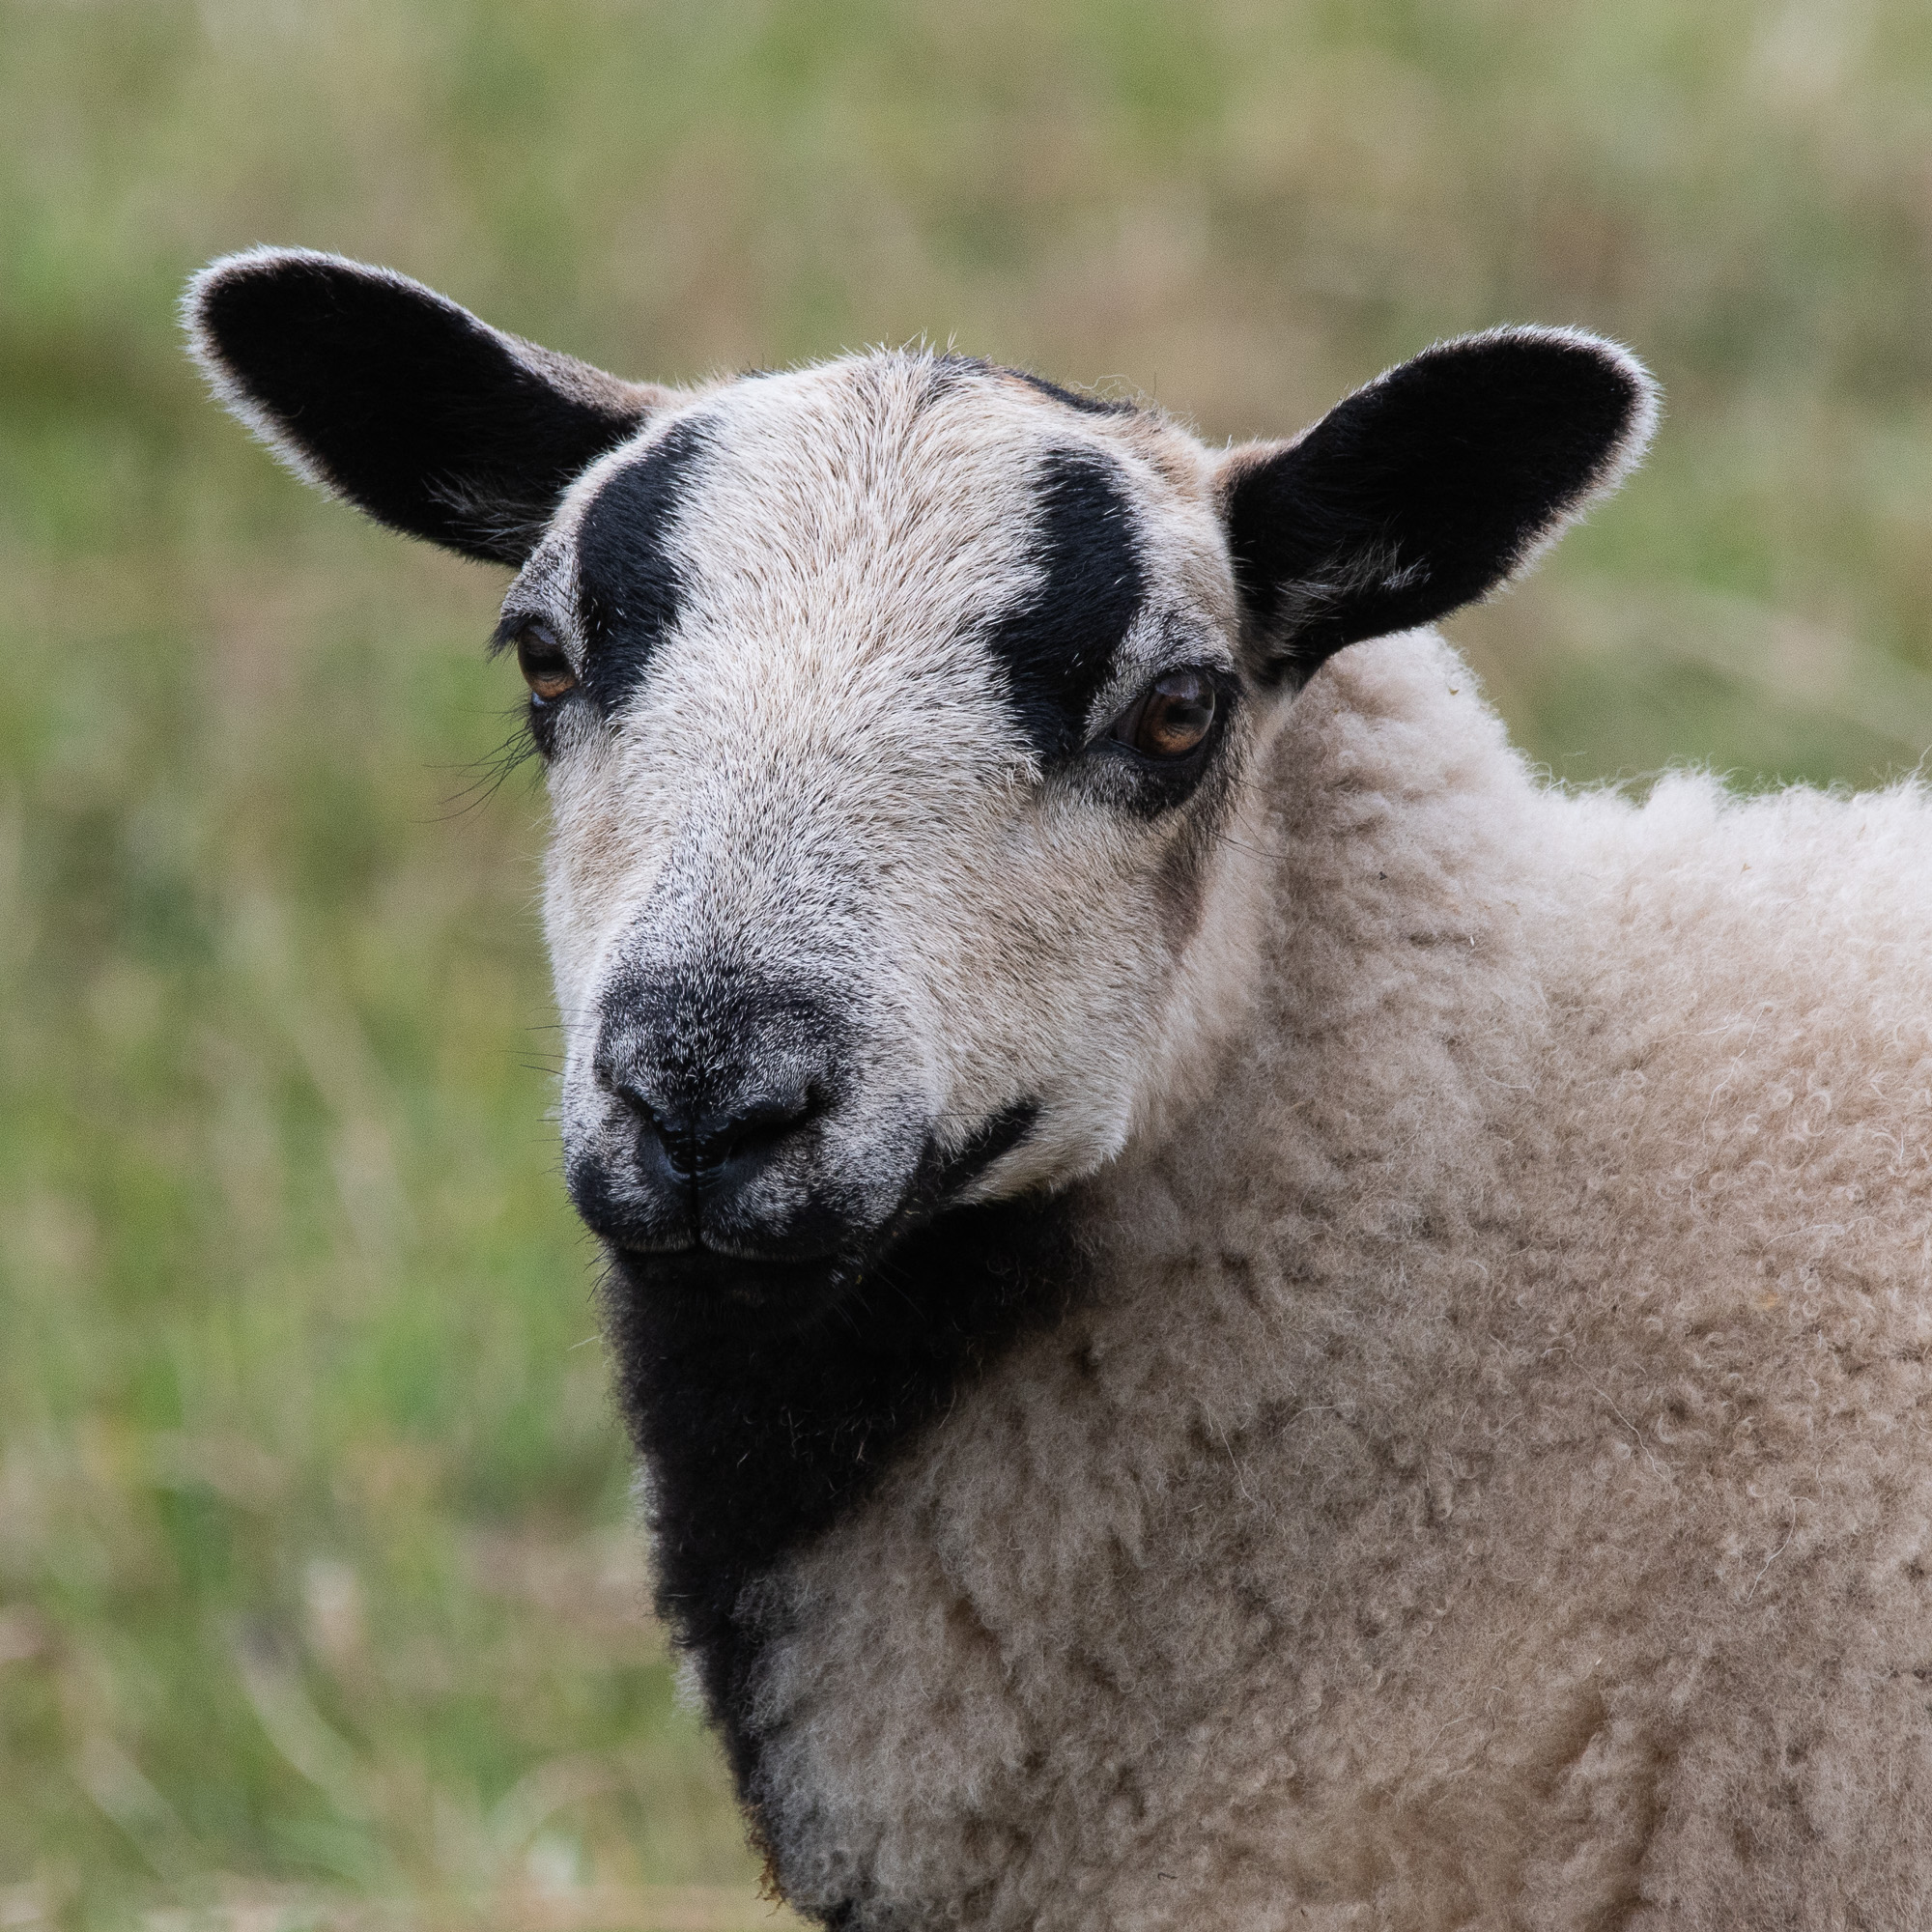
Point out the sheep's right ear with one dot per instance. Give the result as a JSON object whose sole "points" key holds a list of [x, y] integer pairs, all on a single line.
{"points": [[388, 394], [1427, 489]]}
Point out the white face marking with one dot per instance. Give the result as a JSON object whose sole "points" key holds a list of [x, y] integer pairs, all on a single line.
{"points": [[816, 778]]}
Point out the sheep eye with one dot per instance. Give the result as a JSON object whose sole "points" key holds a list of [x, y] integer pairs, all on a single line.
{"points": [[545, 668], [1171, 716]]}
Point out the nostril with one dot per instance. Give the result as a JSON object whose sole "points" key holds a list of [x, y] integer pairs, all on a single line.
{"points": [[699, 1144], [768, 1119], [678, 1135], [626, 1094], [751, 1129]]}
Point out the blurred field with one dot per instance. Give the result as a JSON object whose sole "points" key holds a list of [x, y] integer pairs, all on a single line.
{"points": [[318, 1602]]}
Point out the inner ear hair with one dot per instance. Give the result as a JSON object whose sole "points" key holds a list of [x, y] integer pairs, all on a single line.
{"points": [[1428, 488], [390, 395]]}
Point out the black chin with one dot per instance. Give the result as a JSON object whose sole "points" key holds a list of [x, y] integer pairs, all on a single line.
{"points": [[762, 1424], [700, 1287]]}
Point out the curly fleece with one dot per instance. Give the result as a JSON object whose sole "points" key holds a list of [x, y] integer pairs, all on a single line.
{"points": [[1488, 1485]]}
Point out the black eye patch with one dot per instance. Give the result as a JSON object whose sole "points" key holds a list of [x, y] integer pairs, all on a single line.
{"points": [[630, 579], [1056, 646]]}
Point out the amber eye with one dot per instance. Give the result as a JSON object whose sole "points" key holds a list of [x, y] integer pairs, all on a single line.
{"points": [[545, 668], [1171, 716]]}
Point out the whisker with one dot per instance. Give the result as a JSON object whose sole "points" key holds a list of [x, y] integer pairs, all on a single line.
{"points": [[490, 771]]}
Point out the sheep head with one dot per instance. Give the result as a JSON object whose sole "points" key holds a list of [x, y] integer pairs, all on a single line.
{"points": [[896, 714]]}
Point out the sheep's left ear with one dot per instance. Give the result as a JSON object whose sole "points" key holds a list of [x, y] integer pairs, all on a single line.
{"points": [[1428, 488]]}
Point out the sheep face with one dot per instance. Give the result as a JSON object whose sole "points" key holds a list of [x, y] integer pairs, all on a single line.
{"points": [[896, 714], [904, 703]]}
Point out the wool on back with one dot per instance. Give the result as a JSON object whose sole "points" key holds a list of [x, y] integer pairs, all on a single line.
{"points": [[1488, 1484]]}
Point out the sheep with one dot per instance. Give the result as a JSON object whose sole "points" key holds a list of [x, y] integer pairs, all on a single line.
{"points": [[1235, 1312]]}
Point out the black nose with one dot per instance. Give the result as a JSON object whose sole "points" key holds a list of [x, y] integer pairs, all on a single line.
{"points": [[722, 1083], [713, 1142]]}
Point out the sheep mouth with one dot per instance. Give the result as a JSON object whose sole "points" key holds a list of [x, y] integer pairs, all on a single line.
{"points": [[695, 1280]]}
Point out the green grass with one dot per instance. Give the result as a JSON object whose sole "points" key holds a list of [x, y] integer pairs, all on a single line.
{"points": [[318, 1602]]}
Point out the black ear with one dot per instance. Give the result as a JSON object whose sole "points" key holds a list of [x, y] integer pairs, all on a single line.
{"points": [[385, 392], [1428, 488]]}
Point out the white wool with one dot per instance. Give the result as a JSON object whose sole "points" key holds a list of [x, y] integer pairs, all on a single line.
{"points": [[1492, 1485]]}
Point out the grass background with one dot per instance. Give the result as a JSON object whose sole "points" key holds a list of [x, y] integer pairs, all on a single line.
{"points": [[318, 1602]]}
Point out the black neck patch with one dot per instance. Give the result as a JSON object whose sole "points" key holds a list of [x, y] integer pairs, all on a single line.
{"points": [[757, 1440], [1056, 648], [630, 578]]}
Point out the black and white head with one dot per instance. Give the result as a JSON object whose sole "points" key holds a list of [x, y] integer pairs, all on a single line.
{"points": [[893, 711]]}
